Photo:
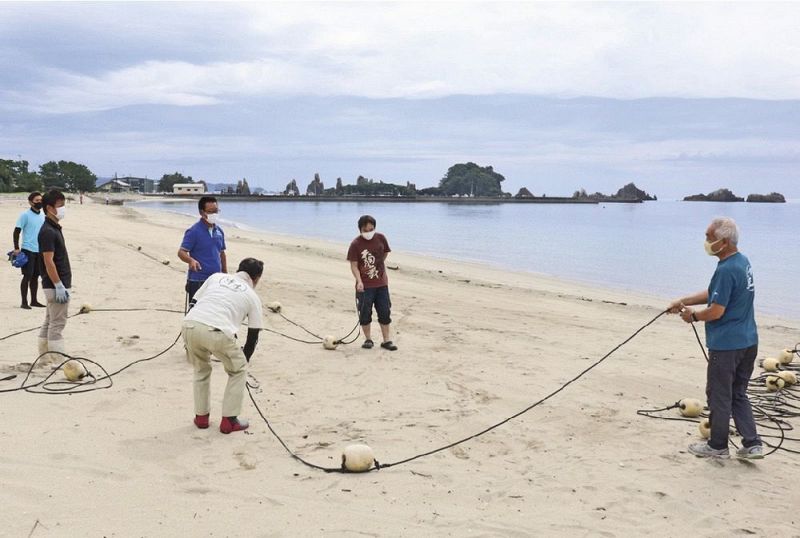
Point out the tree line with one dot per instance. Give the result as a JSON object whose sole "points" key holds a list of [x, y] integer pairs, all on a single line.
{"points": [[15, 176]]}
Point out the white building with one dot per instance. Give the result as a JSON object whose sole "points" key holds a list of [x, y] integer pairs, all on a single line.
{"points": [[189, 188]]}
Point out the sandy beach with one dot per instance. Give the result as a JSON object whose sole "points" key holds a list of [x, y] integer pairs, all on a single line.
{"points": [[476, 345]]}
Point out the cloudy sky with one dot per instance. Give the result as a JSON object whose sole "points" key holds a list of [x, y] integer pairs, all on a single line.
{"points": [[680, 98]]}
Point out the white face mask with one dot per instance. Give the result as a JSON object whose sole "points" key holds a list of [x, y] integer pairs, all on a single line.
{"points": [[709, 246], [61, 212], [368, 235], [211, 218]]}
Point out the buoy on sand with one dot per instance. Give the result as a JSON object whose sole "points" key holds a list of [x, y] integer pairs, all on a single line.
{"points": [[357, 458], [774, 383], [785, 356], [74, 370], [690, 407], [275, 306], [770, 364], [329, 342], [705, 428], [789, 378]]}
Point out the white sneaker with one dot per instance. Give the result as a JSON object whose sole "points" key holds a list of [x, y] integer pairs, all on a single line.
{"points": [[702, 450], [755, 452]]}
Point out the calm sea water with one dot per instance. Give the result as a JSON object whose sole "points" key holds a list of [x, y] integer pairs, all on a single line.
{"points": [[655, 247]]}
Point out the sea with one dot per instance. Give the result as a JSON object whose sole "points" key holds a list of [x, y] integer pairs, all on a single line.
{"points": [[652, 247]]}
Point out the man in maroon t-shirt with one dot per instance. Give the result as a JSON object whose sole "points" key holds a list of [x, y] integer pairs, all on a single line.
{"points": [[367, 255]]}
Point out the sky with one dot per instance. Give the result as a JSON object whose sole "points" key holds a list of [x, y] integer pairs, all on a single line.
{"points": [[680, 98]]}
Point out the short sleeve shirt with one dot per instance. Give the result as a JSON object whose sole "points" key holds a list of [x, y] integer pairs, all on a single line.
{"points": [[732, 286], [51, 239], [370, 255], [30, 223], [225, 301], [204, 244]]}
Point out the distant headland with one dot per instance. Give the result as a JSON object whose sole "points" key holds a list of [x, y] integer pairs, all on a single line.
{"points": [[462, 183]]}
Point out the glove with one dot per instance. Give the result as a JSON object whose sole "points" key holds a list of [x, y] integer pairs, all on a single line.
{"points": [[62, 295]]}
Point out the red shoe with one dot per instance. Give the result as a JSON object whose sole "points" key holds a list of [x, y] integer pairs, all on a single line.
{"points": [[201, 421], [232, 424]]}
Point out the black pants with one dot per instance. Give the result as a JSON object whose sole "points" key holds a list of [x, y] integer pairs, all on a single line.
{"points": [[726, 390], [191, 288], [30, 277], [377, 297]]}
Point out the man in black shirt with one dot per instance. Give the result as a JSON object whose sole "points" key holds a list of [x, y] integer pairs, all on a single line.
{"points": [[56, 278]]}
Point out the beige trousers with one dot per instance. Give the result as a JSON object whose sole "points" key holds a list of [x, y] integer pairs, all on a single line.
{"points": [[55, 318], [203, 341]]}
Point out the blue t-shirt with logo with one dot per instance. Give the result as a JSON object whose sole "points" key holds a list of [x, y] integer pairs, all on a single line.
{"points": [[204, 244], [30, 223], [732, 287]]}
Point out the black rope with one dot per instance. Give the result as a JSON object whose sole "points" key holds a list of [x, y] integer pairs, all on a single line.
{"points": [[378, 466]]}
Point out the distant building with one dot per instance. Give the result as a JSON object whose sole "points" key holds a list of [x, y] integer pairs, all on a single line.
{"points": [[189, 188], [114, 185], [142, 185]]}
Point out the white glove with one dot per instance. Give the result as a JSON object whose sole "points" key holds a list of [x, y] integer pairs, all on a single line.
{"points": [[62, 295]]}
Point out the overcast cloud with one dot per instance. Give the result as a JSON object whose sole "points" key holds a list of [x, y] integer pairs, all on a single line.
{"points": [[145, 88]]}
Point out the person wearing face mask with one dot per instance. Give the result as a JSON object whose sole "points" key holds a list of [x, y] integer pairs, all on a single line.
{"points": [[56, 278], [28, 224], [367, 256], [223, 303], [732, 341], [203, 247]]}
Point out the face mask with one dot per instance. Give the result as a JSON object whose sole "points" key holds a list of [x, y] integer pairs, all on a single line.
{"points": [[211, 218], [368, 235], [61, 212], [710, 249], [37, 206]]}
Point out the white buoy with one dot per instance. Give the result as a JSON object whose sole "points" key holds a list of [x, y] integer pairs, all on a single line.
{"points": [[357, 458], [329, 342], [85, 308], [275, 306], [690, 407], [705, 428], [789, 377], [774, 383], [770, 364], [74, 370], [785, 356]]}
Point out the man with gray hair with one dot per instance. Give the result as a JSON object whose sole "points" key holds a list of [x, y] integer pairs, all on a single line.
{"points": [[732, 341]]}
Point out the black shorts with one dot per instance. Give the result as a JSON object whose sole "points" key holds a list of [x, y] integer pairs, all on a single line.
{"points": [[377, 297], [31, 269]]}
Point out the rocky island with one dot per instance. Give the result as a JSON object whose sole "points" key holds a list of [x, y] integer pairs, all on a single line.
{"points": [[771, 198], [719, 195]]}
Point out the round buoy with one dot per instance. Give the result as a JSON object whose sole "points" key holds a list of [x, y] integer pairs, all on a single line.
{"points": [[770, 364], [275, 306], [357, 458], [74, 370], [705, 428], [690, 407], [785, 356], [789, 378], [774, 383], [329, 342], [85, 308]]}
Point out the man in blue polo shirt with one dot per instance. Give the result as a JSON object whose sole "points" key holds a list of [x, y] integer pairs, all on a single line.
{"points": [[28, 224], [732, 341], [203, 247]]}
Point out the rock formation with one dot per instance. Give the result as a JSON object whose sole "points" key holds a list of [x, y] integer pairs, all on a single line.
{"points": [[291, 189], [719, 195], [524, 193], [773, 197], [316, 187]]}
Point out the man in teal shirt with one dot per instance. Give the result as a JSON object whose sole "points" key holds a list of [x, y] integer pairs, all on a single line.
{"points": [[28, 224], [732, 341]]}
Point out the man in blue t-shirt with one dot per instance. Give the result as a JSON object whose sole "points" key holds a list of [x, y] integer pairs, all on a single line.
{"points": [[28, 224], [732, 341], [203, 247]]}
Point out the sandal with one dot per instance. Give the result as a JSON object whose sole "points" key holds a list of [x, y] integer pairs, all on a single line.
{"points": [[368, 344], [389, 345]]}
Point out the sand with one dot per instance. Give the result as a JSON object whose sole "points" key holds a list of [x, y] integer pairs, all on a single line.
{"points": [[476, 345]]}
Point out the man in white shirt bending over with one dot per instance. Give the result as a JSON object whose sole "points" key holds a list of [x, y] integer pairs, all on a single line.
{"points": [[210, 327]]}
